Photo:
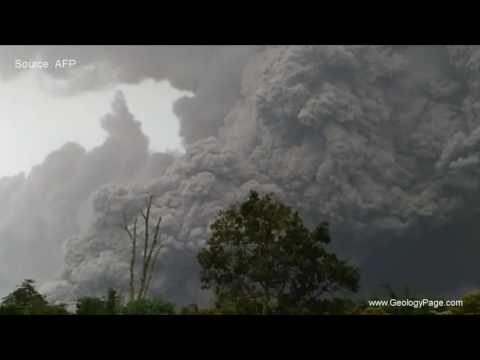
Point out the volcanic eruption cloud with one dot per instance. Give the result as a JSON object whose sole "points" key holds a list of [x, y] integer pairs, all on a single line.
{"points": [[383, 142]]}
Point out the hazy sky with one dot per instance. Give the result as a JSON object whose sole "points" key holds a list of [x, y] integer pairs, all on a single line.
{"points": [[33, 122]]}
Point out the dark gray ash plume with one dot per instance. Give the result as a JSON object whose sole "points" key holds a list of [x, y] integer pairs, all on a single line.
{"points": [[381, 141]]}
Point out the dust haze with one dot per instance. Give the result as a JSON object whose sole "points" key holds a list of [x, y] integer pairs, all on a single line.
{"points": [[383, 142]]}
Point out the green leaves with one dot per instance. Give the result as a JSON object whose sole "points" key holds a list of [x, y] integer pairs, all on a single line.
{"points": [[471, 303], [25, 295], [149, 306], [261, 258], [112, 305], [25, 300], [91, 306]]}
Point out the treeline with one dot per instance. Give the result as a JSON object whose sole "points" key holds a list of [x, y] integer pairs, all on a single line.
{"points": [[25, 300], [260, 259]]}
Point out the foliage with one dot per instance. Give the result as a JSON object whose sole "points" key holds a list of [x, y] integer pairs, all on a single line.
{"points": [[25, 295], [149, 306], [261, 258], [471, 303], [26, 300], [111, 305], [91, 306]]}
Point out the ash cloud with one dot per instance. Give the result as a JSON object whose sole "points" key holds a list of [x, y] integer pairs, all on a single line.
{"points": [[211, 72], [381, 141], [53, 202]]}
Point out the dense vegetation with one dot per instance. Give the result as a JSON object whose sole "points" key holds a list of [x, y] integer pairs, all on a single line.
{"points": [[25, 300], [260, 259]]}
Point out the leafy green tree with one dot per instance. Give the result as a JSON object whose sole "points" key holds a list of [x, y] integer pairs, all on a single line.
{"points": [[91, 306], [25, 295], [113, 302], [59, 309], [149, 306], [26, 300], [471, 303], [112, 305], [109, 305], [12, 310], [261, 258]]}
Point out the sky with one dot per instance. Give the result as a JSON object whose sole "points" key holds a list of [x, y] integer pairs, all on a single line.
{"points": [[34, 122]]}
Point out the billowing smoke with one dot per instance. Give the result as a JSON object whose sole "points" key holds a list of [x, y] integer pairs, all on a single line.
{"points": [[211, 72], [381, 141], [51, 204]]}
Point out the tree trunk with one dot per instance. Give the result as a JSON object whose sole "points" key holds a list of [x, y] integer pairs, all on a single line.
{"points": [[151, 251]]}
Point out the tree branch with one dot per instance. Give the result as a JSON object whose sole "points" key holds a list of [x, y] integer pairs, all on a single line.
{"points": [[152, 266], [133, 238]]}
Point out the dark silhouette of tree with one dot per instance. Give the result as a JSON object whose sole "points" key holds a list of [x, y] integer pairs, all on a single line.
{"points": [[91, 306], [261, 258], [150, 248], [25, 295], [26, 300], [113, 302], [150, 306], [111, 305]]}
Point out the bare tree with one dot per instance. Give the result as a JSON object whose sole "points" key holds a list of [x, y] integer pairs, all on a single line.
{"points": [[151, 247]]}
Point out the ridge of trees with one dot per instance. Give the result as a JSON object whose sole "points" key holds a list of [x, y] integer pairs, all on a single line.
{"points": [[260, 259]]}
